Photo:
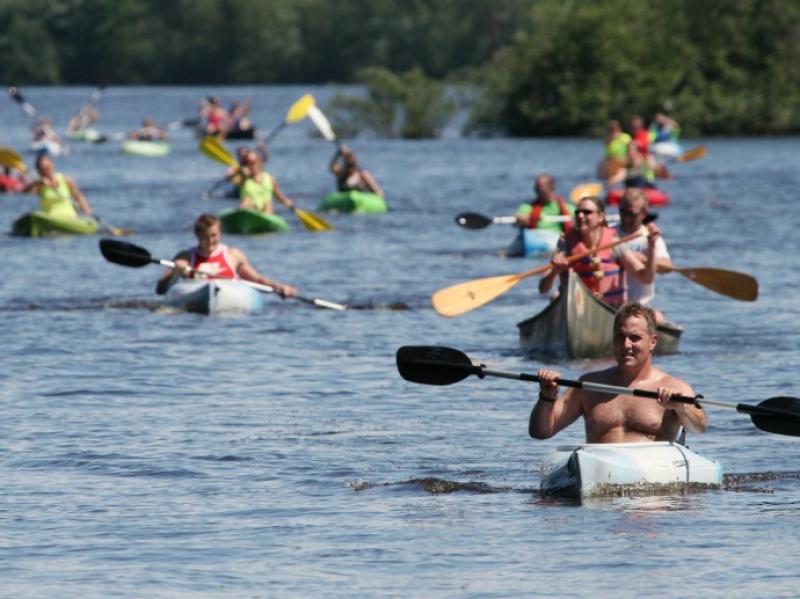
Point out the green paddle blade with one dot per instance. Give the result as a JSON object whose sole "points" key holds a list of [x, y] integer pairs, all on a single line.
{"points": [[433, 365], [779, 415], [124, 253]]}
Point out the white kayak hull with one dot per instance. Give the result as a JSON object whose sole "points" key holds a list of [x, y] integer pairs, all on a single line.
{"points": [[53, 148], [597, 469], [217, 296], [666, 149]]}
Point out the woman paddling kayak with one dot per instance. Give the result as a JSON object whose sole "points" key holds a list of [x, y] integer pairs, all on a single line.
{"points": [[349, 176], [57, 191], [259, 186]]}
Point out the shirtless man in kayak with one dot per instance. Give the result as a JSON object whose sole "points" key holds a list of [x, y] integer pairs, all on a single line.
{"points": [[619, 418], [216, 259]]}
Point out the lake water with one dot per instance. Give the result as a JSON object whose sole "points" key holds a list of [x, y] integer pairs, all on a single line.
{"points": [[147, 453]]}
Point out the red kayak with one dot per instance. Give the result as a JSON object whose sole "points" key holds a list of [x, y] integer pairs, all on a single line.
{"points": [[655, 197], [10, 184]]}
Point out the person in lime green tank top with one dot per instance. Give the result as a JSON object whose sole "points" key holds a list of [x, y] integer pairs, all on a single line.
{"points": [[260, 187], [615, 153], [58, 193]]}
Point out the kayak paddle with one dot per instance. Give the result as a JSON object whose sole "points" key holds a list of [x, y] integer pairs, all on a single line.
{"points": [[736, 285], [116, 231], [693, 154], [11, 159], [431, 365], [461, 298], [213, 148], [297, 112], [477, 221], [134, 256], [17, 96], [322, 123], [585, 190]]}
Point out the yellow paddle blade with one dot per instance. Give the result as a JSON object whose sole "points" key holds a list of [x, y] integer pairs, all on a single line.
{"points": [[585, 190], [463, 297], [299, 110], [311, 221], [737, 285], [693, 154], [211, 147], [11, 159]]}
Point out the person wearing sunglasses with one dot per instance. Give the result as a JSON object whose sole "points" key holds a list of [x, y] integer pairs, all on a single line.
{"points": [[605, 271], [632, 214], [259, 187]]}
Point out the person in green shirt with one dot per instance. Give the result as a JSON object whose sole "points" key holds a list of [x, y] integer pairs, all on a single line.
{"points": [[548, 210]]}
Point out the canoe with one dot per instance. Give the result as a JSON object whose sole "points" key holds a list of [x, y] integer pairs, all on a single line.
{"points": [[655, 197], [578, 325], [214, 296], [88, 135], [356, 202], [145, 148], [250, 222], [42, 224], [532, 242], [597, 469], [46, 146]]}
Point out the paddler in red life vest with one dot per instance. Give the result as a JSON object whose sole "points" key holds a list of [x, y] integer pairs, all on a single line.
{"points": [[618, 418], [214, 259], [604, 271], [548, 210]]}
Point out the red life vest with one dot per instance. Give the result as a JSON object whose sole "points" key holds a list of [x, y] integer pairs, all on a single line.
{"points": [[642, 140], [536, 211], [601, 273], [217, 265]]}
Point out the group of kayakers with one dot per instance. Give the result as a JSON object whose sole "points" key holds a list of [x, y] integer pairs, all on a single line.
{"points": [[218, 121]]}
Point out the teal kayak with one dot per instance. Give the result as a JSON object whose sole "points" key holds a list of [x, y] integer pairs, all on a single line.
{"points": [[41, 224], [356, 202], [145, 148], [250, 222]]}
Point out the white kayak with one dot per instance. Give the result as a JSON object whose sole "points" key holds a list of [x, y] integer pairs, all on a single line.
{"points": [[597, 469], [666, 149], [214, 296], [49, 146]]}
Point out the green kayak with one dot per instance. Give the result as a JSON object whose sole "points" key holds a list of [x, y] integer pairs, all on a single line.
{"points": [[357, 202], [250, 222], [145, 148], [41, 224]]}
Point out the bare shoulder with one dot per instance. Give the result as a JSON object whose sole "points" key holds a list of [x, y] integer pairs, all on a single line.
{"points": [[663, 379]]}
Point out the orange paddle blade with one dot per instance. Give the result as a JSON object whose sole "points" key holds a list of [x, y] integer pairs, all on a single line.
{"points": [[584, 190], [693, 154], [463, 297]]}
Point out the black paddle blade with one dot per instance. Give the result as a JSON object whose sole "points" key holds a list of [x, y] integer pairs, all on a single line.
{"points": [[649, 217], [124, 253], [779, 415], [473, 220], [433, 365]]}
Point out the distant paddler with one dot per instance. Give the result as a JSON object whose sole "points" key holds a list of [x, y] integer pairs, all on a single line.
{"points": [[615, 154], [149, 131], [604, 272], [546, 203], [58, 193], [259, 186], [215, 260], [349, 175]]}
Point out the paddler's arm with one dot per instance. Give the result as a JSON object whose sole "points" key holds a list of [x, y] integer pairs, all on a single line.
{"points": [[691, 417], [245, 270], [371, 183], [171, 275], [551, 413], [558, 265], [644, 272], [279, 195], [335, 167], [78, 196]]}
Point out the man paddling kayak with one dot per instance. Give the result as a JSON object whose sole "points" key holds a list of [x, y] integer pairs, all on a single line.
{"points": [[547, 202], [216, 260], [620, 418]]}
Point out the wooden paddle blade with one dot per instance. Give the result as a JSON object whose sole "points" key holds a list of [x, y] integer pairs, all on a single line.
{"points": [[693, 154], [473, 220], [737, 285], [780, 415], [124, 253], [433, 365], [464, 297], [211, 147], [299, 110], [311, 221], [584, 190]]}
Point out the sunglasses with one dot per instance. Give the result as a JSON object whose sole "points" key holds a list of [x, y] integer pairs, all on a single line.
{"points": [[585, 212], [630, 213]]}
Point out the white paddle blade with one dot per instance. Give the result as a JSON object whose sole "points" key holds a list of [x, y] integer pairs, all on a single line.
{"points": [[321, 122]]}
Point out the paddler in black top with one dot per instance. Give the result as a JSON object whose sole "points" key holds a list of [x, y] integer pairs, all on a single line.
{"points": [[349, 176], [619, 418]]}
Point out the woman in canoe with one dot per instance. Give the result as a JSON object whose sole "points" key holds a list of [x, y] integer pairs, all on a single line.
{"points": [[259, 186], [216, 260], [349, 176], [56, 191], [604, 272]]}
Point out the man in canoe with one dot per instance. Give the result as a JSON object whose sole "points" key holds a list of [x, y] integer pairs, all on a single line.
{"points": [[632, 212], [259, 186], [620, 418], [57, 191], [350, 176], [548, 210], [605, 272], [216, 260]]}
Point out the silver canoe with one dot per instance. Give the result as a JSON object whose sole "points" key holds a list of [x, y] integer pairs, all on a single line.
{"points": [[598, 469], [578, 325]]}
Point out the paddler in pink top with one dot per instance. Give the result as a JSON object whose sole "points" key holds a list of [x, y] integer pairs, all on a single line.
{"points": [[215, 260]]}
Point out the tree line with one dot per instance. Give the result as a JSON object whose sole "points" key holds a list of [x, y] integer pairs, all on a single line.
{"points": [[525, 67]]}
